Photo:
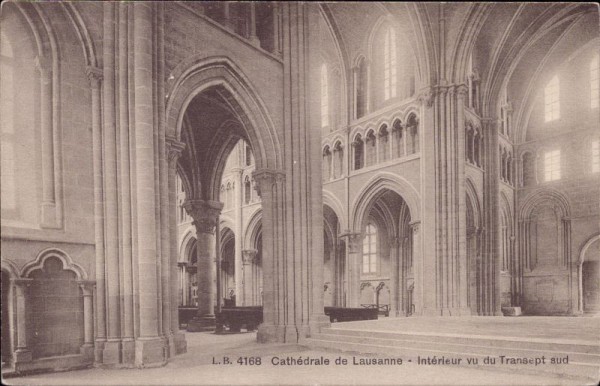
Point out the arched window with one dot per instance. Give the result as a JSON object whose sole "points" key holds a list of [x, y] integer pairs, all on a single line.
{"points": [[528, 174], [247, 190], [338, 160], [389, 64], [552, 165], [361, 89], [20, 99], [248, 156], [359, 152], [384, 145], [229, 202], [399, 140], [469, 144], [370, 148], [413, 134], [369, 258], [326, 164], [324, 97], [552, 100], [594, 86]]}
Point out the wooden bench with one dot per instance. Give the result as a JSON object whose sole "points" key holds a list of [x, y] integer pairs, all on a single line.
{"points": [[234, 318], [383, 309], [186, 314], [346, 314]]}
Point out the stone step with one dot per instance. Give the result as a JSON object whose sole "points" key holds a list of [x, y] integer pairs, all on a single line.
{"points": [[564, 345], [582, 366], [467, 347]]}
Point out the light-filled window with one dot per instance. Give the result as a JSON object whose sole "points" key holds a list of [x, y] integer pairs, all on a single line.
{"points": [[551, 100], [324, 97], [596, 156], [594, 86], [389, 64], [370, 249], [552, 165]]}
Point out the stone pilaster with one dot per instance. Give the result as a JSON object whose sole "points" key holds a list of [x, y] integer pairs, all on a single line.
{"points": [[87, 291], [22, 353]]}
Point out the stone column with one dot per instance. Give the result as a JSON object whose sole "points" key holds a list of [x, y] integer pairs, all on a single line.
{"points": [[95, 77], [22, 352], [174, 148], [112, 347], [227, 17], [149, 347], [353, 267], [276, 28], [417, 258], [87, 287], [48, 212], [271, 189], [205, 215], [397, 276], [248, 277], [253, 38], [238, 241]]}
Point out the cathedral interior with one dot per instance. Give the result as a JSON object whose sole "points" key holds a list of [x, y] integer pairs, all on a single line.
{"points": [[419, 159]]}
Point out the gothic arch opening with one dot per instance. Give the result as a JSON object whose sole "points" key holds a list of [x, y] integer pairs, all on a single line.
{"points": [[387, 270]]}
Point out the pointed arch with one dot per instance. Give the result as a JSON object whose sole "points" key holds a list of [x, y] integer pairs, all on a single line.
{"points": [[377, 185], [196, 74]]}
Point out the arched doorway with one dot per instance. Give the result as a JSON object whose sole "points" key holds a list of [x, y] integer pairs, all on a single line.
{"points": [[334, 272], [476, 287], [228, 293]]}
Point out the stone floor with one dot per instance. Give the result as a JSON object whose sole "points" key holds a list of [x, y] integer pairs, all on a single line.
{"points": [[198, 367]]}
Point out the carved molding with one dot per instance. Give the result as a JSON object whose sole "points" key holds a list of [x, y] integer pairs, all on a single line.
{"points": [[352, 241], [249, 256], [174, 150], [415, 226], [265, 179], [204, 213]]}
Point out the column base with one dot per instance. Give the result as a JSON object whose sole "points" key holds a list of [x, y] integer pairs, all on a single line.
{"points": [[22, 356], [270, 333], [150, 352], [111, 353], [128, 351], [87, 350], [202, 324], [319, 322], [49, 215], [177, 344]]}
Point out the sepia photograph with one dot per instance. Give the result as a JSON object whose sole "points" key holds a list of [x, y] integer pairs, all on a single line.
{"points": [[300, 193]]}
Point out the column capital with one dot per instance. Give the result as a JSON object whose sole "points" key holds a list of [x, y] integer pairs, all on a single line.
{"points": [[352, 240], [86, 286], [427, 96], [415, 225], [265, 178], [248, 256], [462, 90], [204, 213], [94, 74], [174, 150], [21, 282]]}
